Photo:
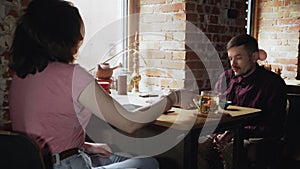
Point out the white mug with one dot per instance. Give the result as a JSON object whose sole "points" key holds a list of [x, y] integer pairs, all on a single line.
{"points": [[122, 84]]}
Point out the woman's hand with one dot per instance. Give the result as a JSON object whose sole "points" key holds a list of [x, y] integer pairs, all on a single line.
{"points": [[185, 98], [101, 149]]}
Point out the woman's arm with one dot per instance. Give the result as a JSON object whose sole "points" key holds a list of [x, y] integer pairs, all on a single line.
{"points": [[102, 149], [105, 107]]}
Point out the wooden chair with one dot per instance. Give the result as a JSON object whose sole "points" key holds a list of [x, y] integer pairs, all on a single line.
{"points": [[19, 151]]}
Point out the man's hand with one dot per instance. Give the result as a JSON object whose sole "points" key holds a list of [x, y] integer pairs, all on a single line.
{"points": [[221, 140]]}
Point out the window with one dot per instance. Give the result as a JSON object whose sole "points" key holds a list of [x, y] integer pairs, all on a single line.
{"points": [[251, 18], [99, 18]]}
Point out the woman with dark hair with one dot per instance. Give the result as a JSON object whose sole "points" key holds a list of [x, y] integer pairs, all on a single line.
{"points": [[52, 99]]}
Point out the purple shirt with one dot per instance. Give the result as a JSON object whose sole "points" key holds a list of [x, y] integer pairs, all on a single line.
{"points": [[262, 89], [45, 106]]}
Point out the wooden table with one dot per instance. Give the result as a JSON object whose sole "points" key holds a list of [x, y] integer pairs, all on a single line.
{"points": [[293, 85], [187, 120], [239, 116]]}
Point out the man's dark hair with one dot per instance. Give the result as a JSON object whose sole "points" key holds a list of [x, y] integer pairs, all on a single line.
{"points": [[249, 42], [48, 31]]}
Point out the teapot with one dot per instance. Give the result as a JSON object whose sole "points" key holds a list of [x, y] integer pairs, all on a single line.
{"points": [[104, 71]]}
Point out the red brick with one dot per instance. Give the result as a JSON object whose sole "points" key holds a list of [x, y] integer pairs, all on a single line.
{"points": [[200, 9], [293, 28], [215, 29], [190, 7], [173, 7], [214, 19], [192, 56], [192, 17], [286, 61], [195, 64], [181, 16], [291, 68]]}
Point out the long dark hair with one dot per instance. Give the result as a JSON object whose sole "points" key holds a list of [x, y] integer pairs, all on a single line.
{"points": [[48, 31]]}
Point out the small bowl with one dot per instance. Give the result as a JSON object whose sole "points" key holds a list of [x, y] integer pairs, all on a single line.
{"points": [[225, 103]]}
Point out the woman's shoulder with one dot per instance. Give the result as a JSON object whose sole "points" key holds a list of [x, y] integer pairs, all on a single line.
{"points": [[64, 67], [70, 70]]}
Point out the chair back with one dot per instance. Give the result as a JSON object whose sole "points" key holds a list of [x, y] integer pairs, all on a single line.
{"points": [[19, 151]]}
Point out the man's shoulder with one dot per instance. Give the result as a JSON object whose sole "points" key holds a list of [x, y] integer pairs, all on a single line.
{"points": [[270, 76]]}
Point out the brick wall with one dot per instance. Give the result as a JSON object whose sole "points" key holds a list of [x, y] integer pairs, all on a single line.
{"points": [[279, 34], [173, 64]]}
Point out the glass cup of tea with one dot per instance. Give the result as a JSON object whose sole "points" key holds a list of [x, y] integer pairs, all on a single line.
{"points": [[207, 102]]}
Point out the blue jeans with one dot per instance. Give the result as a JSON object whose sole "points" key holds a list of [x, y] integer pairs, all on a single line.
{"points": [[83, 161]]}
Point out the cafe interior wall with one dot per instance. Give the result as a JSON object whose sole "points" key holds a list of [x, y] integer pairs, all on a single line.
{"points": [[278, 33], [173, 59], [210, 16]]}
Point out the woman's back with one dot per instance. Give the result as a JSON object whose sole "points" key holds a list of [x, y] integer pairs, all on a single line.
{"points": [[44, 105]]}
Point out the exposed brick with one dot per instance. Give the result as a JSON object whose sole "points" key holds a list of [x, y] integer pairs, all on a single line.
{"points": [[142, 2], [154, 18], [271, 15], [179, 55], [174, 26], [215, 29], [153, 27], [265, 9], [214, 19], [171, 45], [172, 64], [200, 74], [147, 9], [286, 61], [190, 7], [195, 65], [263, 22], [181, 16], [149, 45], [192, 17], [288, 21], [173, 83], [179, 36], [173, 7], [293, 28], [291, 68], [272, 3], [153, 54], [154, 73]]}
